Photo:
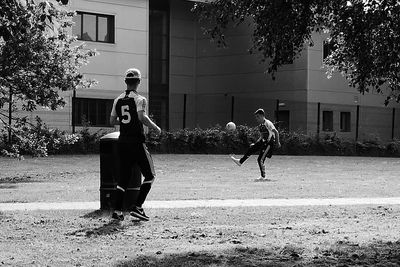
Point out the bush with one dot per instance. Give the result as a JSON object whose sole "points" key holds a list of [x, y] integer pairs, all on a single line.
{"points": [[216, 140], [35, 139], [39, 140], [87, 143], [213, 140]]}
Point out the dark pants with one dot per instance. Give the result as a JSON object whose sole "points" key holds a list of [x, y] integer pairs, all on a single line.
{"points": [[131, 153], [265, 148]]}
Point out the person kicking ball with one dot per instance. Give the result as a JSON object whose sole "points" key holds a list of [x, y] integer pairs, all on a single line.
{"points": [[129, 111], [268, 141]]}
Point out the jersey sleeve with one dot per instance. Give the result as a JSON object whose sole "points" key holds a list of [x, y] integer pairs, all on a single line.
{"points": [[270, 126], [114, 110], [142, 104]]}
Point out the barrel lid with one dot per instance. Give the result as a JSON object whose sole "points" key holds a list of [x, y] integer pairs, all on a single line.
{"points": [[110, 136]]}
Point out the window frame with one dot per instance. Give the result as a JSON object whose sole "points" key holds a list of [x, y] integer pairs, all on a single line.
{"points": [[325, 129], [110, 26], [82, 105], [345, 127]]}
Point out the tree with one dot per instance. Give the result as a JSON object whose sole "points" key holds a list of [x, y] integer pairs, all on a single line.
{"points": [[38, 57], [365, 34]]}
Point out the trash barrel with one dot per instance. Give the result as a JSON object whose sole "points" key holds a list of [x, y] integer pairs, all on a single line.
{"points": [[110, 173]]}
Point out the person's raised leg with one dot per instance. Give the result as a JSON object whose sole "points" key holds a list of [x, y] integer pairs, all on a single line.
{"points": [[250, 151]]}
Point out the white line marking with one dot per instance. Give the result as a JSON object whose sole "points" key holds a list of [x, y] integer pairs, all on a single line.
{"points": [[208, 203]]}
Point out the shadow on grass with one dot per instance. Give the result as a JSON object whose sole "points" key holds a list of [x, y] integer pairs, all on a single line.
{"points": [[19, 179], [97, 214], [7, 186], [340, 254], [109, 228]]}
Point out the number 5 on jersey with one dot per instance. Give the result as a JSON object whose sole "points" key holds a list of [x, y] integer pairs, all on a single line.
{"points": [[126, 115]]}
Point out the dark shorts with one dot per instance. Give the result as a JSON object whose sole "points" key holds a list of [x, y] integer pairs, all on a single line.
{"points": [[268, 148], [131, 154]]}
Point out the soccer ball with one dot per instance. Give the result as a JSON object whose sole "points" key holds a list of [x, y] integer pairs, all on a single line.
{"points": [[230, 126]]}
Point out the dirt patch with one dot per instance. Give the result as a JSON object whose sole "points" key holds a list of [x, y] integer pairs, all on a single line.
{"points": [[290, 236], [104, 226], [108, 228]]}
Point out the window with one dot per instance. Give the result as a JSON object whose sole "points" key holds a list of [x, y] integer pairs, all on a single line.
{"points": [[345, 121], [327, 121], [159, 37], [328, 48], [95, 112], [94, 27], [284, 119]]}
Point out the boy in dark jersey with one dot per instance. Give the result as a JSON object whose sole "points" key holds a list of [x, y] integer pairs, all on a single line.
{"points": [[129, 111], [268, 141]]}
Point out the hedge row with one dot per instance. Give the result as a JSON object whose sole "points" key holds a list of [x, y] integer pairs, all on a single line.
{"points": [[218, 141], [41, 141]]}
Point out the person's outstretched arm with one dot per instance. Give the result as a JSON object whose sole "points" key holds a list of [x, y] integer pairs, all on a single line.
{"points": [[113, 117], [114, 120], [148, 122]]}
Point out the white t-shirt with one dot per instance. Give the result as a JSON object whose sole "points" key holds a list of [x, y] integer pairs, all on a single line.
{"points": [[266, 130], [141, 102]]}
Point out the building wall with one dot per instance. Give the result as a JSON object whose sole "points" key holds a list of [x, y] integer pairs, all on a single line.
{"points": [[334, 94], [182, 64], [232, 71], [210, 76], [108, 68]]}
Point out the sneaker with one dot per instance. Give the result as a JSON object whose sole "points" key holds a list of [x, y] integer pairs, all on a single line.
{"points": [[118, 215], [139, 213], [259, 179], [237, 161]]}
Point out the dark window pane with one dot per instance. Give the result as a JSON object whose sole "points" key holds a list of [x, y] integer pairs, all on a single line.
{"points": [[103, 31], [94, 27], [327, 121], [284, 120], [89, 27], [159, 23], [101, 112], [76, 29], [345, 121], [92, 112], [96, 112], [85, 111], [159, 61]]}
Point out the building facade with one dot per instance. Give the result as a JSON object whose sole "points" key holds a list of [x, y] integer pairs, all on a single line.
{"points": [[190, 82]]}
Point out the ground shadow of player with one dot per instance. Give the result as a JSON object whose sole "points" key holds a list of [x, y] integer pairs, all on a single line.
{"points": [[339, 254], [266, 181], [97, 214], [110, 227], [11, 182]]}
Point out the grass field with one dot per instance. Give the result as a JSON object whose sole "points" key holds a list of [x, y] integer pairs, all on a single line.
{"points": [[76, 178], [261, 236]]}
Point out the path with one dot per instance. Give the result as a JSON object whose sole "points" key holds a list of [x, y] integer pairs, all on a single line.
{"points": [[210, 203]]}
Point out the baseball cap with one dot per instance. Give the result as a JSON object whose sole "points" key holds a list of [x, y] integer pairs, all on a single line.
{"points": [[259, 111], [133, 73]]}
